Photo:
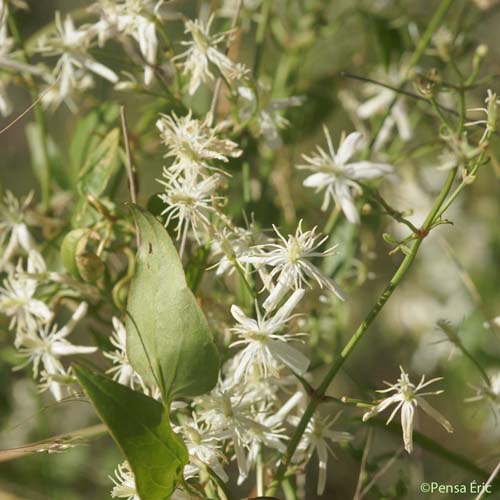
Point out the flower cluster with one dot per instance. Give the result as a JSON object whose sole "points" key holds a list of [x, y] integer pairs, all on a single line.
{"points": [[37, 337]]}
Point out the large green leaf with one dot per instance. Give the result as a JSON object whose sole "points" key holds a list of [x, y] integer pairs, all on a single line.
{"points": [[141, 428], [168, 339]]}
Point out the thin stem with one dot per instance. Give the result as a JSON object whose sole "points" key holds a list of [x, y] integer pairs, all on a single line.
{"points": [[359, 333], [183, 241], [398, 90], [439, 112], [436, 449], [29, 108], [465, 182], [221, 485], [380, 473], [259, 471], [392, 212], [433, 25], [362, 467], [221, 79], [488, 483], [75, 437], [452, 335], [332, 220], [261, 34], [39, 116], [128, 163], [289, 490]]}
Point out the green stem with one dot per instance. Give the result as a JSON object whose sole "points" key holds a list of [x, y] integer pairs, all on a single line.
{"points": [[259, 471], [221, 485], [436, 449], [39, 117], [261, 34], [289, 489], [438, 111], [433, 25], [475, 362], [332, 220], [358, 335], [461, 186]]}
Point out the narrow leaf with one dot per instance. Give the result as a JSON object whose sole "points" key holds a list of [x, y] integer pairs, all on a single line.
{"points": [[101, 165]]}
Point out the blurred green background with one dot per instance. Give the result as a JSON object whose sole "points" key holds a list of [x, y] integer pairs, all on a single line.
{"points": [[455, 277]]}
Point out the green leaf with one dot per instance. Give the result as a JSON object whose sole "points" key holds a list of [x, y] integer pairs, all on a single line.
{"points": [[141, 428], [69, 250], [46, 169], [168, 339], [87, 133], [101, 165]]}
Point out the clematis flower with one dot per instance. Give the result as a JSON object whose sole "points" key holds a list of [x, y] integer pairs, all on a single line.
{"points": [[194, 143], [14, 232], [491, 111], [289, 259], [188, 200], [71, 44], [44, 348], [379, 101], [407, 398], [202, 52], [264, 347], [122, 371], [17, 297], [267, 112], [134, 18], [202, 445], [334, 174], [124, 482], [316, 438]]}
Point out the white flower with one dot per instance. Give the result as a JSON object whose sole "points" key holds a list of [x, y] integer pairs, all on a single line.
{"points": [[133, 18], [380, 100], [194, 143], [125, 487], [123, 372], [267, 112], [407, 398], [264, 347], [289, 259], [58, 383], [202, 52], [44, 347], [315, 439], [17, 296], [189, 200], [202, 446], [231, 245], [491, 111], [229, 416], [124, 481], [14, 233], [490, 394], [72, 45], [334, 174], [9, 60]]}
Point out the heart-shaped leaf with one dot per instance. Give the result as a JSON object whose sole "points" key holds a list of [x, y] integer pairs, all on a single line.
{"points": [[168, 340]]}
